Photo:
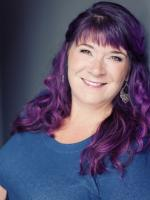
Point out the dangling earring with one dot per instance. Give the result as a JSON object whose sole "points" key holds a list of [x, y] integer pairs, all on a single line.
{"points": [[62, 78], [124, 93]]}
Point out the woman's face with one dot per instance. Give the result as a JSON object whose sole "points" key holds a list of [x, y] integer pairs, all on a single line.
{"points": [[96, 73]]}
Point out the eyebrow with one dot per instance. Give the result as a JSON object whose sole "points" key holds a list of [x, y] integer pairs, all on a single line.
{"points": [[88, 45], [119, 52], [113, 51]]}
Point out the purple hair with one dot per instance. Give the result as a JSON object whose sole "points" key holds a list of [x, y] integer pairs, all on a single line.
{"points": [[126, 130]]}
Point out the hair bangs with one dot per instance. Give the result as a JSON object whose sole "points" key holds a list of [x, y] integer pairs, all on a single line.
{"points": [[102, 34]]}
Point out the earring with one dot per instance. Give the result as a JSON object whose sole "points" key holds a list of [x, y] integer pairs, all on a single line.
{"points": [[124, 93], [62, 78]]}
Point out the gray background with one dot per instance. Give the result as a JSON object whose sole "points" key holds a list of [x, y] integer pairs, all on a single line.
{"points": [[32, 33]]}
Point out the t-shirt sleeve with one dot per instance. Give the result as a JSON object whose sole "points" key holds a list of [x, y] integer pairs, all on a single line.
{"points": [[134, 185], [7, 156]]}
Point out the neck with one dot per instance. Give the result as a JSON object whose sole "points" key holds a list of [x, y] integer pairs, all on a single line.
{"points": [[89, 115], [82, 122]]}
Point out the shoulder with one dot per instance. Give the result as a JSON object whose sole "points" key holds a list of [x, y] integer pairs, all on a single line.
{"points": [[19, 139], [134, 185], [137, 177], [17, 153], [18, 145]]}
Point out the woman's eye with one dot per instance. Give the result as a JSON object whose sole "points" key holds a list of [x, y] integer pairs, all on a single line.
{"points": [[116, 58], [86, 51]]}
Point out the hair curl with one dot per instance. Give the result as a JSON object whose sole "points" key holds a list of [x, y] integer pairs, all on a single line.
{"points": [[126, 130]]}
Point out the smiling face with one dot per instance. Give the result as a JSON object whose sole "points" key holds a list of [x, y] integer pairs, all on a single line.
{"points": [[96, 73]]}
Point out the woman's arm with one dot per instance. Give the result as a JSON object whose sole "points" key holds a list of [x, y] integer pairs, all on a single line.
{"points": [[3, 193]]}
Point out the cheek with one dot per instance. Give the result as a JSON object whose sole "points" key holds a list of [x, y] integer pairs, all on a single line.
{"points": [[119, 74], [72, 71], [75, 67], [72, 63]]}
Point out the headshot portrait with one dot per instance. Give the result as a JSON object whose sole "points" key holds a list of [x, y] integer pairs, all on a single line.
{"points": [[75, 101]]}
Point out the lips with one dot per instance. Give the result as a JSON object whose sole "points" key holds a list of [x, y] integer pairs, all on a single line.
{"points": [[93, 83]]}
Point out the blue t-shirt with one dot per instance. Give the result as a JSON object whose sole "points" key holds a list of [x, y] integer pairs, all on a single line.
{"points": [[37, 167]]}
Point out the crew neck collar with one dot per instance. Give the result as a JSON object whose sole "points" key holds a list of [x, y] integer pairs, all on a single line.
{"points": [[62, 147]]}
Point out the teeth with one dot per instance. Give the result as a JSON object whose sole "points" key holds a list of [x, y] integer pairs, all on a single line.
{"points": [[94, 84]]}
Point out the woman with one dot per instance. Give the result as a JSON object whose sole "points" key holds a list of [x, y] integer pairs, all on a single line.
{"points": [[87, 135]]}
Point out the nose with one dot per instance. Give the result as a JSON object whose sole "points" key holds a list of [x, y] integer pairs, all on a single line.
{"points": [[97, 67]]}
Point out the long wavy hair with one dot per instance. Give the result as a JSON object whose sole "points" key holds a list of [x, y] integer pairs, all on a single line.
{"points": [[126, 130]]}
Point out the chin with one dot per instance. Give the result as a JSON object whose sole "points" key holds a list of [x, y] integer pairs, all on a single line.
{"points": [[94, 102]]}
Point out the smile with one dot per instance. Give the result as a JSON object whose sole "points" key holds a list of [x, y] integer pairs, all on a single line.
{"points": [[93, 83]]}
